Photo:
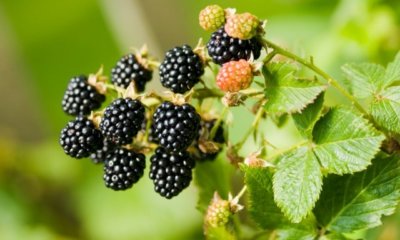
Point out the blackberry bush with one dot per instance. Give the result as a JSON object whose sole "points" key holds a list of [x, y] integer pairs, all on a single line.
{"points": [[170, 172], [339, 179], [176, 126], [222, 48], [122, 120], [181, 69], [80, 138], [81, 98], [123, 168], [129, 69]]}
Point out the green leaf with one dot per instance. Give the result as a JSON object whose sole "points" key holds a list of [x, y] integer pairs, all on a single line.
{"points": [[210, 177], [365, 79], [333, 236], [386, 109], [297, 183], [220, 233], [262, 207], [345, 142], [354, 202], [393, 71], [306, 120], [306, 230], [287, 93]]}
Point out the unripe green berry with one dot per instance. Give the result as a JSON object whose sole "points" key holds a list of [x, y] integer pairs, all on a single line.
{"points": [[212, 17], [218, 212]]}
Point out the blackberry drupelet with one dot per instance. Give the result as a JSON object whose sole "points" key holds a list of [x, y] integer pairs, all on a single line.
{"points": [[222, 48], [80, 138], [205, 130], [176, 126], [100, 155], [123, 168], [181, 69], [128, 69], [122, 120], [170, 172], [80, 98]]}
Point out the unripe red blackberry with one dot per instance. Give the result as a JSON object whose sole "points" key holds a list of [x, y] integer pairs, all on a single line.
{"points": [[99, 156], [181, 69], [176, 126], [80, 138], [235, 76], [123, 168], [81, 98], [243, 26], [122, 120], [129, 69], [212, 17], [222, 48], [170, 172]]}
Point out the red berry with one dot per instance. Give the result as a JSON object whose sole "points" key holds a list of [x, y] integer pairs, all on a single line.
{"points": [[235, 76]]}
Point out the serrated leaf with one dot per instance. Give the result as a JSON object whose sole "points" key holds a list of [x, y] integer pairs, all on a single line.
{"points": [[345, 142], [364, 79], [262, 207], [386, 109], [285, 92], [354, 202], [393, 71], [306, 120], [297, 183], [210, 177]]}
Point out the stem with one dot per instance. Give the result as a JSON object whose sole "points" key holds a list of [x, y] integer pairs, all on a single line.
{"points": [[207, 93], [217, 123], [282, 151], [242, 191], [269, 56], [253, 126], [326, 76]]}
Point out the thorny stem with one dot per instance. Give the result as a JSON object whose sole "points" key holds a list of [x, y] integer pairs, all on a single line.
{"points": [[311, 66], [252, 128]]}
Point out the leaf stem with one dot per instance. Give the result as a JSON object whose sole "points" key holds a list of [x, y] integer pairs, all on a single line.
{"points": [[282, 151], [217, 123], [310, 64]]}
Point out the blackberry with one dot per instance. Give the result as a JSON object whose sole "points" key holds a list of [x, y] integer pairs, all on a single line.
{"points": [[128, 69], [80, 138], [222, 48], [170, 172], [205, 130], [80, 98], [122, 120], [100, 155], [176, 126], [181, 69], [123, 168]]}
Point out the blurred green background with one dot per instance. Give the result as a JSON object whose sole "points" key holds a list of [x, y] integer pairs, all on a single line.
{"points": [[47, 195]]}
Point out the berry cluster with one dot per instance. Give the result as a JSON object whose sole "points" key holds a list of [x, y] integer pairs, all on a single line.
{"points": [[135, 123]]}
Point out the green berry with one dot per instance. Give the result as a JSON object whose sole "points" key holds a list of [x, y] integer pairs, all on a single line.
{"points": [[218, 212], [212, 17]]}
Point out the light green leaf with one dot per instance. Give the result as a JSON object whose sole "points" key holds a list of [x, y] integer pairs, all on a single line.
{"points": [[287, 93], [354, 202], [210, 177], [306, 120], [345, 142], [297, 183], [364, 79], [262, 207], [393, 71], [386, 109]]}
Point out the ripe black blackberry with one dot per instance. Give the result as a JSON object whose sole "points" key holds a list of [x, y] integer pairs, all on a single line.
{"points": [[81, 98], [176, 126], [80, 138], [100, 155], [123, 168], [205, 131], [129, 69], [122, 120], [170, 172], [181, 69], [222, 48]]}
